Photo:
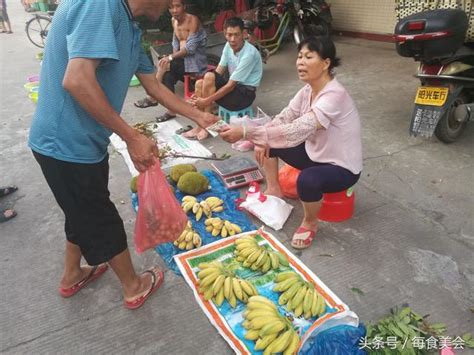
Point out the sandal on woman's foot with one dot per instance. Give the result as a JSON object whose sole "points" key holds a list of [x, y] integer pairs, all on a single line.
{"points": [[144, 103], [94, 274], [157, 279], [165, 117], [305, 235], [6, 190], [6, 215]]}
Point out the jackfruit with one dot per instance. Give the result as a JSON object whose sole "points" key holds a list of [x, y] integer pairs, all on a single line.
{"points": [[193, 183], [179, 170], [133, 184]]}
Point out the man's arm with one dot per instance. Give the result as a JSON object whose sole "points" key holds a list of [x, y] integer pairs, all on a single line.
{"points": [[81, 83], [164, 96]]}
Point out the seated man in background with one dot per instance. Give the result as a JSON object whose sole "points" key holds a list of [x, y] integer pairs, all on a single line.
{"points": [[189, 53], [244, 64]]}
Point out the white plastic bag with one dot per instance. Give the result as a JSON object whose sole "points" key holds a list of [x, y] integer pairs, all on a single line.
{"points": [[271, 210], [261, 119]]}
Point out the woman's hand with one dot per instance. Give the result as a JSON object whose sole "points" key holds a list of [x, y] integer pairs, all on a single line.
{"points": [[232, 134], [261, 154]]}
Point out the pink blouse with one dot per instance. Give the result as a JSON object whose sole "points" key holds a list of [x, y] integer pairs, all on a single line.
{"points": [[338, 143]]}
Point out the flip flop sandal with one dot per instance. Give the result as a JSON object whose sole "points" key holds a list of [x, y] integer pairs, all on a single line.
{"points": [[184, 129], [156, 281], [305, 235], [6, 190], [165, 117], [4, 218], [95, 273], [144, 103]]}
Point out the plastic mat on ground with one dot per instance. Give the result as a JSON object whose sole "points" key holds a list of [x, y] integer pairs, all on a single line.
{"points": [[168, 251]]}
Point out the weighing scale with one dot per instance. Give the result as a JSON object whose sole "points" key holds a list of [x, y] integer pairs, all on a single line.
{"points": [[238, 171]]}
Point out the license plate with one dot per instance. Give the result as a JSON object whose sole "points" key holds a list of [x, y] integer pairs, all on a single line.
{"points": [[433, 96]]}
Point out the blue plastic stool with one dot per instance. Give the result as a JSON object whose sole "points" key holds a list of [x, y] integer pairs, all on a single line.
{"points": [[226, 114]]}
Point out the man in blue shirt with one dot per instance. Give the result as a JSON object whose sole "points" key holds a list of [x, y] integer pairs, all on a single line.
{"points": [[243, 62], [93, 50]]}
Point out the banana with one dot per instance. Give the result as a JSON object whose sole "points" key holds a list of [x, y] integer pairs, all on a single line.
{"points": [[218, 209], [298, 310], [246, 287], [283, 259], [189, 198], [189, 236], [307, 300], [267, 265], [261, 259], [206, 209], [232, 299], [262, 343], [227, 287], [321, 305], [285, 284], [261, 322], [208, 294], [282, 342], [189, 245], [257, 313], [298, 298], [251, 334], [209, 228], [254, 256], [182, 245], [224, 232], [207, 222], [218, 283], [314, 304], [275, 261], [263, 300], [219, 298], [237, 289], [209, 279], [293, 346], [273, 327], [197, 240], [196, 206], [282, 276], [199, 213], [215, 232]]}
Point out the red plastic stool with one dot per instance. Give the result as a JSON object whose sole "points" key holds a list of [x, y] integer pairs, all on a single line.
{"points": [[337, 206]]}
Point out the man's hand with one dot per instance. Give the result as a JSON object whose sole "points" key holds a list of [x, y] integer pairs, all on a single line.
{"points": [[232, 134], [142, 151], [261, 154]]}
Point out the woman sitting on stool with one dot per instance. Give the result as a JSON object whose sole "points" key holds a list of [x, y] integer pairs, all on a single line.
{"points": [[318, 133]]}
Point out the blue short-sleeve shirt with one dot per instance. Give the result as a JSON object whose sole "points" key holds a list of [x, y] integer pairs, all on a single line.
{"points": [[103, 30], [245, 66]]}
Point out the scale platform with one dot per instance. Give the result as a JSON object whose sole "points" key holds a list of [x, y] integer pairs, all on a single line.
{"points": [[238, 171]]}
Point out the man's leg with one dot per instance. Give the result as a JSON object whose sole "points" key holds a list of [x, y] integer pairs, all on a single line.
{"points": [[207, 87]]}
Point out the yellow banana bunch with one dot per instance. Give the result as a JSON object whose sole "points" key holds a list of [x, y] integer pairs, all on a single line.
{"points": [[218, 282], [299, 296], [189, 239], [272, 332], [257, 257], [187, 203], [217, 226], [215, 203]]}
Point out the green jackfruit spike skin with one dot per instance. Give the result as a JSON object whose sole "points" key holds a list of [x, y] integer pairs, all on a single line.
{"points": [[179, 170], [193, 183], [133, 184]]}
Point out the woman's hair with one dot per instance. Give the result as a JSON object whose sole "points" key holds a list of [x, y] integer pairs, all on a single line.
{"points": [[324, 46]]}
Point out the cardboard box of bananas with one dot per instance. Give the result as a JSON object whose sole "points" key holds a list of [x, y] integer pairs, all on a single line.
{"points": [[189, 239], [205, 207], [218, 282], [272, 332]]}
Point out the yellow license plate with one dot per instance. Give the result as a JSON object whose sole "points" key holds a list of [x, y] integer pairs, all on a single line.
{"points": [[427, 95]]}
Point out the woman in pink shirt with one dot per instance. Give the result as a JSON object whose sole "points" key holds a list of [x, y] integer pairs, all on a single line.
{"points": [[318, 133]]}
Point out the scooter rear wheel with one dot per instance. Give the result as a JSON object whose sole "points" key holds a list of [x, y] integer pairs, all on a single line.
{"points": [[449, 129]]}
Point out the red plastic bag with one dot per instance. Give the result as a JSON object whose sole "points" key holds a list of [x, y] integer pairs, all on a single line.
{"points": [[287, 177], [160, 218]]}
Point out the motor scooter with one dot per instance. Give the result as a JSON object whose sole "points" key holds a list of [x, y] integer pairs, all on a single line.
{"points": [[444, 102]]}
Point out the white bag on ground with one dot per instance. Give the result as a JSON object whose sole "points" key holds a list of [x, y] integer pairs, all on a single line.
{"points": [[271, 210]]}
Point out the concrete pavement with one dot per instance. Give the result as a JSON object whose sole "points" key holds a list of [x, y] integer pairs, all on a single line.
{"points": [[410, 241]]}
